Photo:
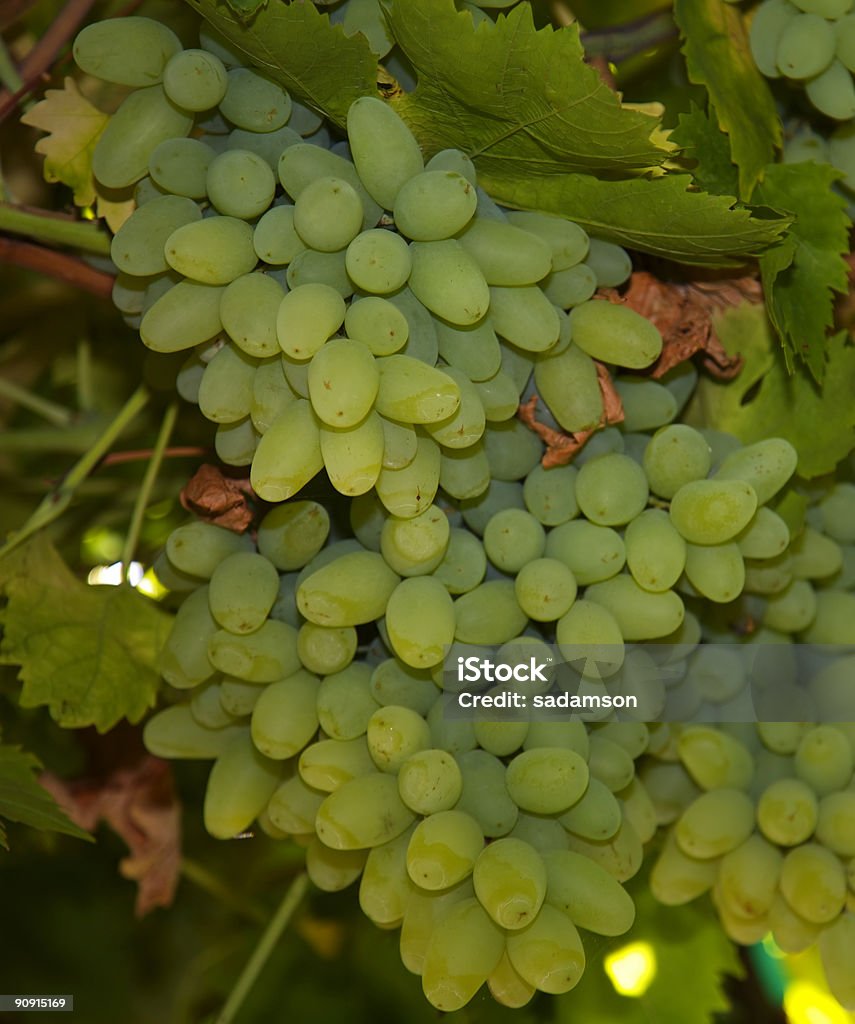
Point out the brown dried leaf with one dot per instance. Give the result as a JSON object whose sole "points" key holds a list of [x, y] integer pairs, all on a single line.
{"points": [[140, 805], [218, 499]]}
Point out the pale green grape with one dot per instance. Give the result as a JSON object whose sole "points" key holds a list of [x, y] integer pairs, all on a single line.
{"points": [[239, 787], [835, 619], [420, 621], [473, 350], [545, 589], [128, 51], [393, 682], [714, 759], [207, 709], [611, 489], [677, 878], [610, 763], [455, 736], [345, 703], [524, 316], [550, 494], [571, 287], [541, 832], [137, 246], [805, 46], [813, 883], [325, 765], [765, 465], [443, 849], [596, 816], [655, 551], [423, 910], [770, 576], [400, 444], [293, 806], [845, 52], [717, 571], [464, 563], [506, 255], [589, 631], [180, 166], [363, 812], [195, 79], [378, 324], [837, 513], [410, 490], [268, 654], [489, 614], [422, 342], [633, 737], [767, 26], [510, 882], [238, 697], [215, 250], [343, 382], [465, 426], [589, 896], [385, 889], [198, 548], [464, 949], [394, 734], [308, 315], [833, 92], [350, 590], [240, 184], [835, 827], [792, 609], [517, 364], [144, 120], [513, 538], [446, 280], [676, 455], [640, 614], [609, 262], [413, 547], [715, 823], [288, 455], [812, 554], [485, 796], [508, 987], [291, 535], [378, 261], [384, 151], [453, 160], [333, 870], [353, 456], [271, 393], [824, 759], [242, 590], [429, 781], [434, 204], [327, 268], [284, 718], [615, 334], [546, 780], [767, 535], [275, 238], [174, 733], [548, 953], [464, 473], [568, 242], [302, 163], [497, 737], [748, 877], [646, 404], [328, 214], [591, 552], [326, 649], [248, 309], [713, 511], [512, 449], [253, 102], [225, 391], [835, 947]]}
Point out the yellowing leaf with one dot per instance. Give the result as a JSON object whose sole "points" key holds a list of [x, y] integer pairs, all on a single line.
{"points": [[114, 206], [89, 653], [73, 125]]}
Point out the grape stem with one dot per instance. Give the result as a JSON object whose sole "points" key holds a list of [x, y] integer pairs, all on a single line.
{"points": [[57, 415], [58, 265], [261, 953], [54, 228]]}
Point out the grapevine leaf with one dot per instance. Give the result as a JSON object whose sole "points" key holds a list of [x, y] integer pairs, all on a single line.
{"points": [[656, 215], [521, 101], [718, 57], [801, 275], [765, 400], [87, 652], [73, 125], [702, 141], [245, 9], [23, 800], [298, 47]]}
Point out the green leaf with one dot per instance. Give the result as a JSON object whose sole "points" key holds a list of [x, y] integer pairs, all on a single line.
{"points": [[519, 101], [715, 44], [765, 401], [245, 9], [298, 47], [690, 955], [22, 799], [701, 140], [87, 652], [801, 275], [656, 215]]}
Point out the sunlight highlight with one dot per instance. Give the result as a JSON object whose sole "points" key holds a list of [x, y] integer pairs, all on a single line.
{"points": [[632, 969]]}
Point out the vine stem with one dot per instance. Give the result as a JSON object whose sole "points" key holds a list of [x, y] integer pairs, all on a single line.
{"points": [[58, 500], [8, 72], [46, 227], [59, 265], [55, 414], [261, 953], [148, 481]]}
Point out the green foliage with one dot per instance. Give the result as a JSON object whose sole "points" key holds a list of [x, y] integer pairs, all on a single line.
{"points": [[23, 800], [715, 44], [702, 141], [87, 652], [801, 275], [766, 401]]}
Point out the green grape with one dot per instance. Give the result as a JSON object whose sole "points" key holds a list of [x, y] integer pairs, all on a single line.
{"points": [[328, 214], [324, 649], [127, 51], [293, 806], [400, 444], [546, 780], [716, 571], [545, 588], [284, 719], [307, 317], [517, 364], [137, 246], [835, 947], [464, 473], [291, 535], [422, 913], [195, 80], [499, 495], [422, 342], [596, 816], [393, 682], [238, 697], [345, 703], [394, 734], [473, 350], [633, 737], [510, 882], [524, 316], [550, 494], [410, 490], [288, 454], [748, 877], [513, 538], [239, 787], [326, 764], [769, 576], [378, 324], [240, 184], [353, 456], [420, 621], [225, 391], [833, 92], [443, 849], [253, 102], [275, 238], [714, 759], [378, 261], [268, 654], [301, 164], [567, 241], [805, 46], [463, 950], [248, 309], [385, 889], [512, 449], [715, 823], [364, 812], [837, 513], [414, 547], [144, 120], [489, 614], [343, 382], [646, 404], [767, 27], [835, 826], [610, 763], [676, 455], [813, 883], [455, 736], [485, 796], [609, 262], [429, 781], [713, 511], [180, 166], [615, 334], [589, 631], [446, 280], [765, 465], [175, 733], [235, 443], [215, 250], [812, 554], [350, 590], [507, 986], [792, 609], [506, 255], [463, 564], [567, 382], [333, 870], [824, 759], [541, 832], [611, 489], [327, 268], [207, 709], [242, 591], [198, 548], [655, 551], [271, 393], [571, 287], [548, 953], [845, 52], [677, 878], [434, 204], [384, 151], [767, 536], [592, 553], [640, 614], [833, 624], [589, 896], [497, 737], [453, 160]]}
